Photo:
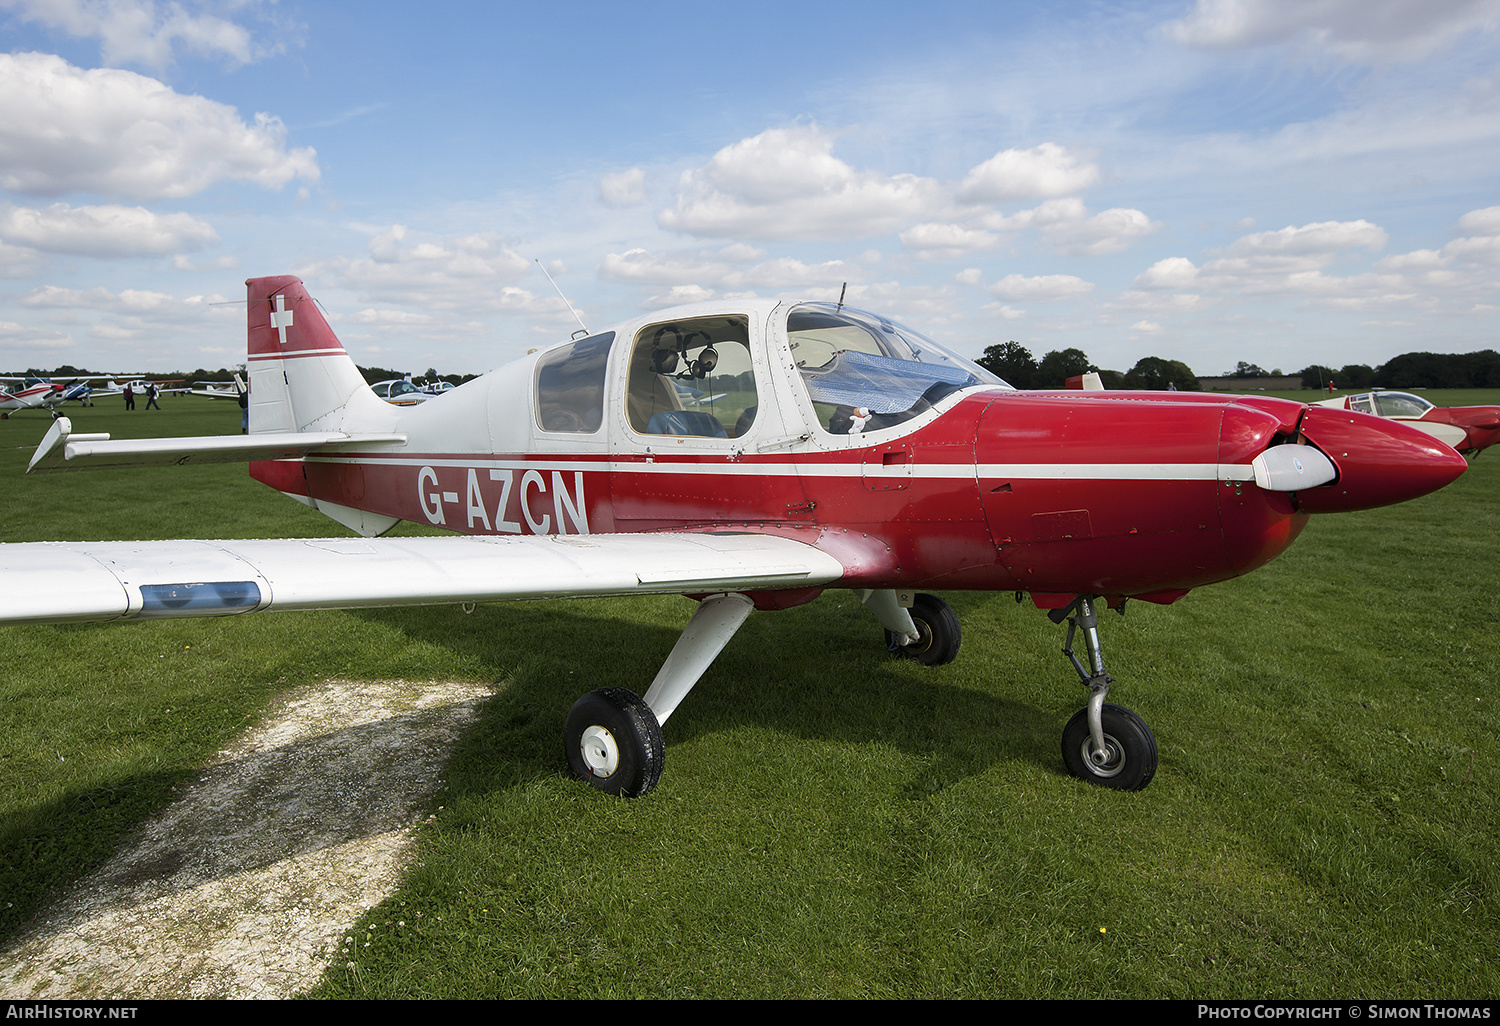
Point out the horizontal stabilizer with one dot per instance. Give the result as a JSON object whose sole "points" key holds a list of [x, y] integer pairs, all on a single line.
{"points": [[61, 449], [50, 582]]}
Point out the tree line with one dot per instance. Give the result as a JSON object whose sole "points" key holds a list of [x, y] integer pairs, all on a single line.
{"points": [[1413, 370], [1015, 364]]}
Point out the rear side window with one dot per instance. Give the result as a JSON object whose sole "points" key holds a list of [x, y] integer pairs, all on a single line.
{"points": [[570, 385]]}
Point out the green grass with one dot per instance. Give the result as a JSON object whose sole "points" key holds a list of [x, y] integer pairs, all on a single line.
{"points": [[832, 823]]}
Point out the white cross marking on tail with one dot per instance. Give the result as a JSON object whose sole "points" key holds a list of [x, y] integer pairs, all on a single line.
{"points": [[282, 318]]}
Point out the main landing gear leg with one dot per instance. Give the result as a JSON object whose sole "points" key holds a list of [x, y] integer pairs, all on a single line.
{"points": [[1104, 744], [613, 737]]}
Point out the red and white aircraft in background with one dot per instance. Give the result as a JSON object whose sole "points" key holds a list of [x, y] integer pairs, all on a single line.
{"points": [[37, 392], [1469, 429], [838, 450], [26, 394]]}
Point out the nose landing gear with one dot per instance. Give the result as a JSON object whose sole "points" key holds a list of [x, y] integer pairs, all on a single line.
{"points": [[1104, 744]]}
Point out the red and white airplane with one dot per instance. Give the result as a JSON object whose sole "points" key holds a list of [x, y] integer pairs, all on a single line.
{"points": [[27, 394], [839, 450], [1469, 429], [37, 393]]}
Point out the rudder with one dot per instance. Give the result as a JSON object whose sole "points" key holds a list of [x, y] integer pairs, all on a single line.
{"points": [[301, 378]]}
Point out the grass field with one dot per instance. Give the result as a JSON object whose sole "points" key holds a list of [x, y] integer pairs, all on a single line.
{"points": [[833, 823]]}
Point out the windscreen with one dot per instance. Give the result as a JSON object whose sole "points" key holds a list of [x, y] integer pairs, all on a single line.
{"points": [[864, 372]]}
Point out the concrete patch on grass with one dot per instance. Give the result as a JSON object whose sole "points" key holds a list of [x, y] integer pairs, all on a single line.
{"points": [[245, 887]]}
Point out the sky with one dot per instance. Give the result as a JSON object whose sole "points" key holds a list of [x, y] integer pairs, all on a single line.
{"points": [[1281, 182]]}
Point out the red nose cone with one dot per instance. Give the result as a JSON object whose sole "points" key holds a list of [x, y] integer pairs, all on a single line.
{"points": [[1380, 462]]}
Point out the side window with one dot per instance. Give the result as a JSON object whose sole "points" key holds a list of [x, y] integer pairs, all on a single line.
{"points": [[1362, 404], [692, 377], [570, 385]]}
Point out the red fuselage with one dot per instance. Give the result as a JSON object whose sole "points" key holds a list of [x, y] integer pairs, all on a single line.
{"points": [[1125, 494]]}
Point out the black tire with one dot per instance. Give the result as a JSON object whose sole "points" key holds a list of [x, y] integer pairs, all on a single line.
{"points": [[1132, 757], [938, 634], [614, 742]]}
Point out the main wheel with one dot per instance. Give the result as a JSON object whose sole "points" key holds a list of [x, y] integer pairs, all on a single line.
{"points": [[938, 634], [1129, 759], [614, 742]]}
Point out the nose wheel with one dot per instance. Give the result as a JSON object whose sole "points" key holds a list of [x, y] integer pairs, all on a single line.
{"points": [[1104, 744], [1127, 759]]}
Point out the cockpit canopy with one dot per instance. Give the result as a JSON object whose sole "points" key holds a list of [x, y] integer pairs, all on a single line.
{"points": [[864, 372], [696, 374], [1390, 404]]}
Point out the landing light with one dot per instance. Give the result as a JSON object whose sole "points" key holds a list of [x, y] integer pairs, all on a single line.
{"points": [[199, 599]]}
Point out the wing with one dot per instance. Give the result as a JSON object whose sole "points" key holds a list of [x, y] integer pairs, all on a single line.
{"points": [[51, 582]]}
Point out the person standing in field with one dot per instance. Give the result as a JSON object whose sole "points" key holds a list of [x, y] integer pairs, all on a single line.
{"points": [[151, 397], [129, 397]]}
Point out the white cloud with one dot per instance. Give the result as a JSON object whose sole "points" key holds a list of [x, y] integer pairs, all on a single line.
{"points": [[1481, 222], [127, 301], [139, 31], [785, 183], [1290, 263], [472, 272], [727, 268], [1289, 259], [944, 241], [104, 231], [1042, 172], [623, 189], [1313, 239], [397, 318], [144, 316], [1066, 225], [223, 263], [23, 338], [1111, 231], [114, 132], [678, 295], [1483, 249], [19, 261], [1482, 246], [1357, 30], [1044, 288], [1054, 212]]}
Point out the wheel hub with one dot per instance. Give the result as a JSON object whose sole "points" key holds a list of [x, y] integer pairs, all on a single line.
{"points": [[1107, 761], [600, 753]]}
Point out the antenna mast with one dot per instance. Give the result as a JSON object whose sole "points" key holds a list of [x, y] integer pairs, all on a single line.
{"points": [[585, 327]]}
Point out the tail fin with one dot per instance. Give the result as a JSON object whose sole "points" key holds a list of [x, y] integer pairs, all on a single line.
{"points": [[301, 379]]}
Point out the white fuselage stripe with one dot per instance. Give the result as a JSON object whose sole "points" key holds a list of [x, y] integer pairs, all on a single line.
{"points": [[933, 471]]}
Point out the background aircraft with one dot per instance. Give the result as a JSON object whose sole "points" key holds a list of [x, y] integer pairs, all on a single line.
{"points": [[400, 392], [34, 392], [219, 390], [1469, 429], [843, 450]]}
